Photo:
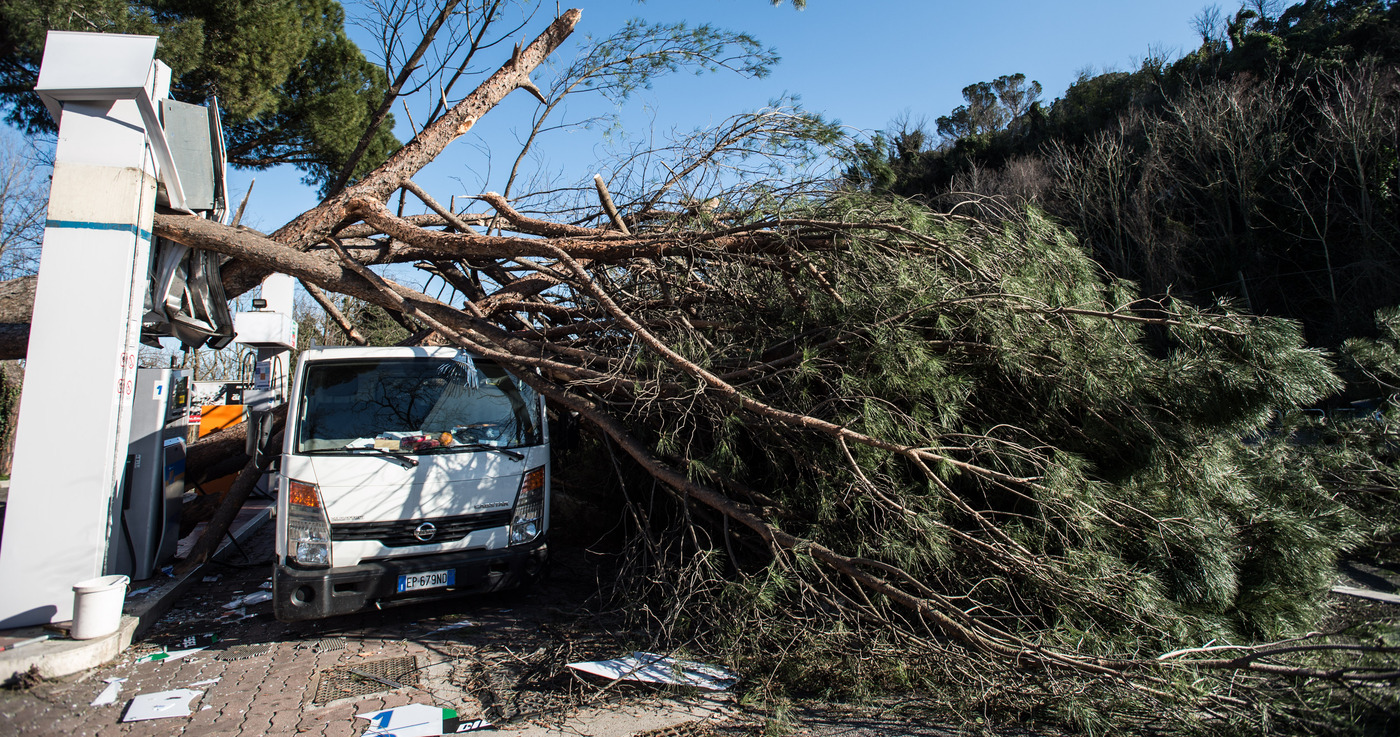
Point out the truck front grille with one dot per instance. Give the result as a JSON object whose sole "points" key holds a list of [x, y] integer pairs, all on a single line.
{"points": [[401, 533]]}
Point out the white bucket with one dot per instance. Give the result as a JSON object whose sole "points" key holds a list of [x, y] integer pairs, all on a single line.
{"points": [[97, 606]]}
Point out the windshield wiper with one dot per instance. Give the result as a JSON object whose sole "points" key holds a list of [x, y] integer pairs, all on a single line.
{"points": [[407, 461], [475, 447]]}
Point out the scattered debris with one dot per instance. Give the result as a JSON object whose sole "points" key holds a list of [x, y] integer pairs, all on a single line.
{"points": [[204, 639], [160, 705], [140, 591], [164, 655], [109, 694], [696, 728], [243, 652], [212, 579], [62, 629], [257, 597], [323, 645], [452, 626], [418, 720], [10, 643], [206, 682], [653, 668], [23, 681]]}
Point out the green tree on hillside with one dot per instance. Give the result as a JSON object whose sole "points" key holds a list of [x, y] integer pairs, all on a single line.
{"points": [[990, 106]]}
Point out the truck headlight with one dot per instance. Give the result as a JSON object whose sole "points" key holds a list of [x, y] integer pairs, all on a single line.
{"points": [[308, 530], [528, 522]]}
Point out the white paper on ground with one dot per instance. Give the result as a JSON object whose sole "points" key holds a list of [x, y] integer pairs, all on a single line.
{"points": [[209, 682], [109, 694], [160, 705], [653, 668]]}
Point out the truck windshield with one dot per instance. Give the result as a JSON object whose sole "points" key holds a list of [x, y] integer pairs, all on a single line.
{"points": [[415, 405]]}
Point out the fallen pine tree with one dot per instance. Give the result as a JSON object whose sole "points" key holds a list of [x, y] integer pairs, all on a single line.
{"points": [[902, 449]]}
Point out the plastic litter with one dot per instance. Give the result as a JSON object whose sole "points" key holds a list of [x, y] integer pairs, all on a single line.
{"points": [[257, 597], [203, 639], [167, 655], [653, 668], [160, 705], [10, 643], [208, 682], [109, 694], [139, 591]]}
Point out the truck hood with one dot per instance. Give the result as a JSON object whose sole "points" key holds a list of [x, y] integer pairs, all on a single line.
{"points": [[376, 488]]}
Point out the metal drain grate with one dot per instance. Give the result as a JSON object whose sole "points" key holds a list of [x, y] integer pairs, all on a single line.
{"points": [[340, 683]]}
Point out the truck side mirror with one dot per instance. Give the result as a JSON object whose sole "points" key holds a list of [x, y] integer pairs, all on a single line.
{"points": [[259, 436]]}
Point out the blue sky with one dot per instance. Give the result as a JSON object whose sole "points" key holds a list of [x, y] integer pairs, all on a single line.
{"points": [[861, 63]]}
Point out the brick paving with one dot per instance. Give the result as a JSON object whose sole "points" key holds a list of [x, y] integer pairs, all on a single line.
{"points": [[273, 693]]}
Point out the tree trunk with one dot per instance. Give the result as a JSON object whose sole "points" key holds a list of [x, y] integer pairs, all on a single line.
{"points": [[16, 306]]}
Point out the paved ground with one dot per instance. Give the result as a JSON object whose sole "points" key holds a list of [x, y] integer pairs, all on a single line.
{"points": [[497, 657]]}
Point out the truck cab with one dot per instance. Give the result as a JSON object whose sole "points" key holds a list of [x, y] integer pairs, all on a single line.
{"points": [[407, 473]]}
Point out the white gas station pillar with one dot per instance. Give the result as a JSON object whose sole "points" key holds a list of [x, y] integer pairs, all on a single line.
{"points": [[71, 443]]}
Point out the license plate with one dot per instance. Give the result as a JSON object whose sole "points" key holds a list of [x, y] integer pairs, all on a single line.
{"points": [[427, 580]]}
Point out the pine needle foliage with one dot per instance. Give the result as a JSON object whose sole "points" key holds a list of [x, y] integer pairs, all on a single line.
{"points": [[1131, 492]]}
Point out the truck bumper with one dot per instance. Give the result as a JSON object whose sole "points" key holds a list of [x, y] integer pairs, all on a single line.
{"points": [[301, 594]]}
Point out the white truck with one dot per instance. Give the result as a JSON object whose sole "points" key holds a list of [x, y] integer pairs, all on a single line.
{"points": [[407, 473]]}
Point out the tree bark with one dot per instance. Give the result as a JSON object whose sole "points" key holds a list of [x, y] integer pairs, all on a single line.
{"points": [[228, 509], [312, 226], [16, 307]]}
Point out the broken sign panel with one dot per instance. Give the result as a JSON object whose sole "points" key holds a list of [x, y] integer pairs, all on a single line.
{"points": [[653, 668], [414, 720]]}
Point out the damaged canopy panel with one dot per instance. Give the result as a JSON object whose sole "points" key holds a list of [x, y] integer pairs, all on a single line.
{"points": [[186, 299], [186, 295]]}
